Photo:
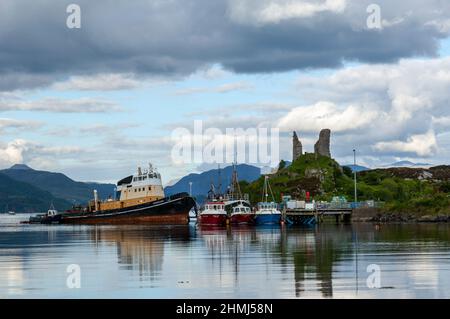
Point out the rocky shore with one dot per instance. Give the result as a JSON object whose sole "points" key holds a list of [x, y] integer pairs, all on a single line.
{"points": [[378, 216]]}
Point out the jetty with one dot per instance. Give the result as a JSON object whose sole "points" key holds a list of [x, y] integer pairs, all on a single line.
{"points": [[310, 217], [317, 213]]}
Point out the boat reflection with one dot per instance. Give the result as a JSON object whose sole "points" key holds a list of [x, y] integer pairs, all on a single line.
{"points": [[312, 252], [141, 248]]}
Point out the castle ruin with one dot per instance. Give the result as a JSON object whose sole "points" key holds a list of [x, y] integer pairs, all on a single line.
{"points": [[297, 147], [322, 146]]}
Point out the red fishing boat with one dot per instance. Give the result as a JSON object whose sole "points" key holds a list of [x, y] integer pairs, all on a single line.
{"points": [[242, 214], [213, 214]]}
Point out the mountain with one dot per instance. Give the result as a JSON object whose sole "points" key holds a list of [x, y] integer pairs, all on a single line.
{"points": [[407, 164], [201, 182], [172, 182], [104, 191], [357, 168], [58, 184], [21, 167], [25, 198]]}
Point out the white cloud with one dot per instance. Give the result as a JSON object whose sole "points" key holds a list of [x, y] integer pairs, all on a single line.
{"points": [[321, 115], [58, 105], [224, 88], [12, 153], [24, 151], [275, 11], [441, 25], [422, 145], [214, 72], [397, 102], [99, 82], [442, 121], [6, 123]]}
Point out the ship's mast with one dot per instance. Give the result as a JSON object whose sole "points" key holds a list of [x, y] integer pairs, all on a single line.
{"points": [[219, 179], [235, 188], [266, 189], [264, 194]]}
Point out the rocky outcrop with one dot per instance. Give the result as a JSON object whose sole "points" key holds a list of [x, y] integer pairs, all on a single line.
{"points": [[322, 146], [297, 147]]}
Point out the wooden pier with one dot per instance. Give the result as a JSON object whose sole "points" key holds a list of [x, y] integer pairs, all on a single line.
{"points": [[309, 217]]}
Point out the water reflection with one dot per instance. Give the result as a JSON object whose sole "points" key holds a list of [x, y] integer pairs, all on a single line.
{"points": [[242, 262], [312, 251], [141, 248]]}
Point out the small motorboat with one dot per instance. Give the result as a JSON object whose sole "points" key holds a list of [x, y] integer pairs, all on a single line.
{"points": [[51, 217], [9, 212]]}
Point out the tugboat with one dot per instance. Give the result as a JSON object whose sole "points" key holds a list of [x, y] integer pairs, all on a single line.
{"points": [[267, 212], [141, 200]]}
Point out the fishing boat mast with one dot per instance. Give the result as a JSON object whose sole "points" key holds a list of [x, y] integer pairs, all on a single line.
{"points": [[266, 190]]}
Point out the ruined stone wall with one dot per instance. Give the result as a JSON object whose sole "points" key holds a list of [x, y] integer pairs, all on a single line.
{"points": [[322, 146], [297, 147]]}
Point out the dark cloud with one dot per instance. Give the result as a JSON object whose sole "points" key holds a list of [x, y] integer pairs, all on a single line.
{"points": [[176, 37]]}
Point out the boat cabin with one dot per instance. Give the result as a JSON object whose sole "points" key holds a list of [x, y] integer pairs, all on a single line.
{"points": [[214, 206], [52, 212], [146, 183], [267, 206], [141, 188], [241, 210]]}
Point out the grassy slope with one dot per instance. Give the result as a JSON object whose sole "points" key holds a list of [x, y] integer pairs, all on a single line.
{"points": [[321, 176], [324, 178]]}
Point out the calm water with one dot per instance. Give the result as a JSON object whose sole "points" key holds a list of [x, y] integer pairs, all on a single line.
{"points": [[327, 261]]}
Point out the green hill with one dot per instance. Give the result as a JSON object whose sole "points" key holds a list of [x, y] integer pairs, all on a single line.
{"points": [[25, 198], [319, 175], [412, 190]]}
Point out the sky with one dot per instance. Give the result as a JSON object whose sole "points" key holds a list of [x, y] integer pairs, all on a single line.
{"points": [[97, 101]]}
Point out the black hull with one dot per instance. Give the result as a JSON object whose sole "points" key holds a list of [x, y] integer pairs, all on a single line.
{"points": [[170, 210]]}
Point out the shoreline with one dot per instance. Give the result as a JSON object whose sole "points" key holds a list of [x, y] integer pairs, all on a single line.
{"points": [[376, 215]]}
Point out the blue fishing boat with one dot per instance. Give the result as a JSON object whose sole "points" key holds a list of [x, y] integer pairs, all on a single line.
{"points": [[267, 212]]}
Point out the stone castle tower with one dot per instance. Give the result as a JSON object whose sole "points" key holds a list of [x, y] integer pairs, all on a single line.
{"points": [[322, 146], [297, 147]]}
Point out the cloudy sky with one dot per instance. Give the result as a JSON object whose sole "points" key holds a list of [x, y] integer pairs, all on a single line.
{"points": [[97, 101]]}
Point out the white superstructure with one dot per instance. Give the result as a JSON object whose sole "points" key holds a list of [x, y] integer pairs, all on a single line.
{"points": [[146, 183]]}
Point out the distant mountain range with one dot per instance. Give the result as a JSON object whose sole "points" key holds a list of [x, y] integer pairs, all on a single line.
{"points": [[360, 168], [26, 198], [408, 164], [201, 182], [48, 187], [357, 168]]}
